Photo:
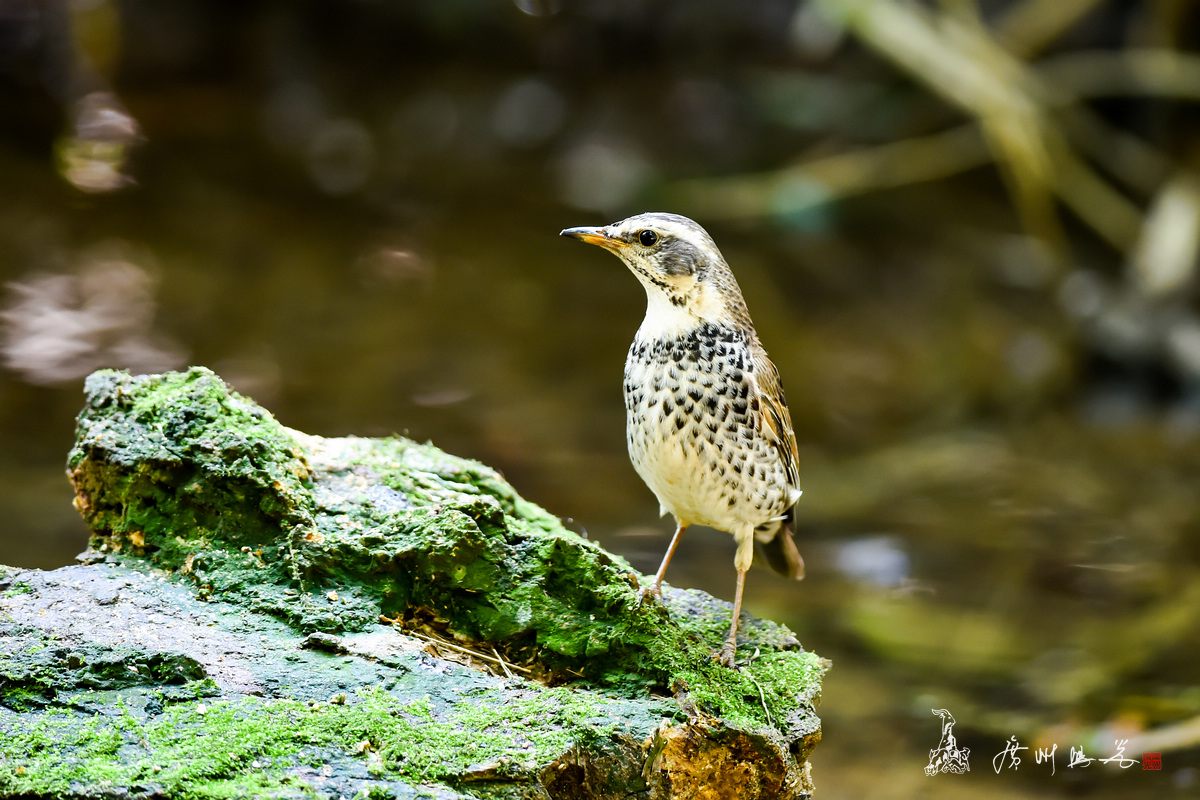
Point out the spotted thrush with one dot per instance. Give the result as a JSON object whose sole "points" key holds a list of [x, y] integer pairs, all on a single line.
{"points": [[707, 425]]}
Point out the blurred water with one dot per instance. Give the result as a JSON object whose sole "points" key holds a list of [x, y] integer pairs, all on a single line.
{"points": [[350, 212]]}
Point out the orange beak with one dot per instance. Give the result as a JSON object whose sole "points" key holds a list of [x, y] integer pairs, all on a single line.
{"points": [[595, 236]]}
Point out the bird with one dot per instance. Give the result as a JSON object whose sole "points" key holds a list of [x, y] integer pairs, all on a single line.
{"points": [[707, 424]]}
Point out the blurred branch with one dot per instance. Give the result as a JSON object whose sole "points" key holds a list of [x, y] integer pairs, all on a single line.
{"points": [[1025, 29], [1180, 736], [1027, 121], [1108, 212], [953, 55], [1131, 159], [797, 188], [1073, 77], [1148, 71]]}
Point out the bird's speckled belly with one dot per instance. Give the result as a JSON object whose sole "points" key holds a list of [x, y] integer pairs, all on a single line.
{"points": [[691, 431]]}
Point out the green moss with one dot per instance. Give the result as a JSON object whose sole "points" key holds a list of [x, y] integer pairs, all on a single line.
{"points": [[18, 588], [332, 534], [204, 462], [768, 689], [192, 749], [477, 736]]}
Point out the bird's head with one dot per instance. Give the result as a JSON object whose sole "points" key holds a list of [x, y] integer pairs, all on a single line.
{"points": [[686, 278]]}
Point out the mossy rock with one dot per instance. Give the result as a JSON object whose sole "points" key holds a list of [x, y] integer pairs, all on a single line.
{"points": [[341, 539]]}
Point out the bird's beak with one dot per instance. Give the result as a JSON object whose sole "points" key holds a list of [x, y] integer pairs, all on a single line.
{"points": [[593, 236]]}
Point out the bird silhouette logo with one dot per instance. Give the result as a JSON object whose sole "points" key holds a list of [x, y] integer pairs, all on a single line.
{"points": [[947, 756]]}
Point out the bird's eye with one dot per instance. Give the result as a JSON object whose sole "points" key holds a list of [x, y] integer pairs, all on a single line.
{"points": [[648, 238]]}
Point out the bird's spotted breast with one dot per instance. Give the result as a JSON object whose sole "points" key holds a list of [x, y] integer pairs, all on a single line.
{"points": [[692, 425]]}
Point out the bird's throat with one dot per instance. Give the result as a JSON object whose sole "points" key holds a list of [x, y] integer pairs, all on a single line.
{"points": [[675, 314]]}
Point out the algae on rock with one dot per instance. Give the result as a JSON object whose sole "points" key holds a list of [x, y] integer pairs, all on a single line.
{"points": [[336, 539]]}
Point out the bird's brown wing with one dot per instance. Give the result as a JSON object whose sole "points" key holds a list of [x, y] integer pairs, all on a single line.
{"points": [[776, 422], [776, 425]]}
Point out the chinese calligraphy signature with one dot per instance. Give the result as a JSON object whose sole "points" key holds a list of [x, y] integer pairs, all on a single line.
{"points": [[949, 756]]}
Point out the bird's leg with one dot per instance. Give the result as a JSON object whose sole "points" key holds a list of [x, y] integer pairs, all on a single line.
{"points": [[655, 588], [745, 555], [730, 647], [662, 568]]}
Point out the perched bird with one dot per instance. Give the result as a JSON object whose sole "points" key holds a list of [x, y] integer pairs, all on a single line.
{"points": [[707, 425]]}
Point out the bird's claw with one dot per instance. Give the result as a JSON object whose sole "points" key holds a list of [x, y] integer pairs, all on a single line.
{"points": [[653, 592], [726, 655]]}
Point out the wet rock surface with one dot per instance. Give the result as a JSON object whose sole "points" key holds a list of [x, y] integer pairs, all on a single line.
{"points": [[275, 614]]}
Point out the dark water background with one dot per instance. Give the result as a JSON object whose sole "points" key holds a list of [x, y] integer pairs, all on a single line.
{"points": [[350, 212]]}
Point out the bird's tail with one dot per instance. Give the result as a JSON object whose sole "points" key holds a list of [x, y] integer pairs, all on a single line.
{"points": [[780, 551]]}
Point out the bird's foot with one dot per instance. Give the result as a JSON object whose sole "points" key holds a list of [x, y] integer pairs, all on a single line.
{"points": [[651, 593], [727, 653]]}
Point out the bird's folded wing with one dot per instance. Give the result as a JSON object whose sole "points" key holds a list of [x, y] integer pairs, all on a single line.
{"points": [[775, 421]]}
